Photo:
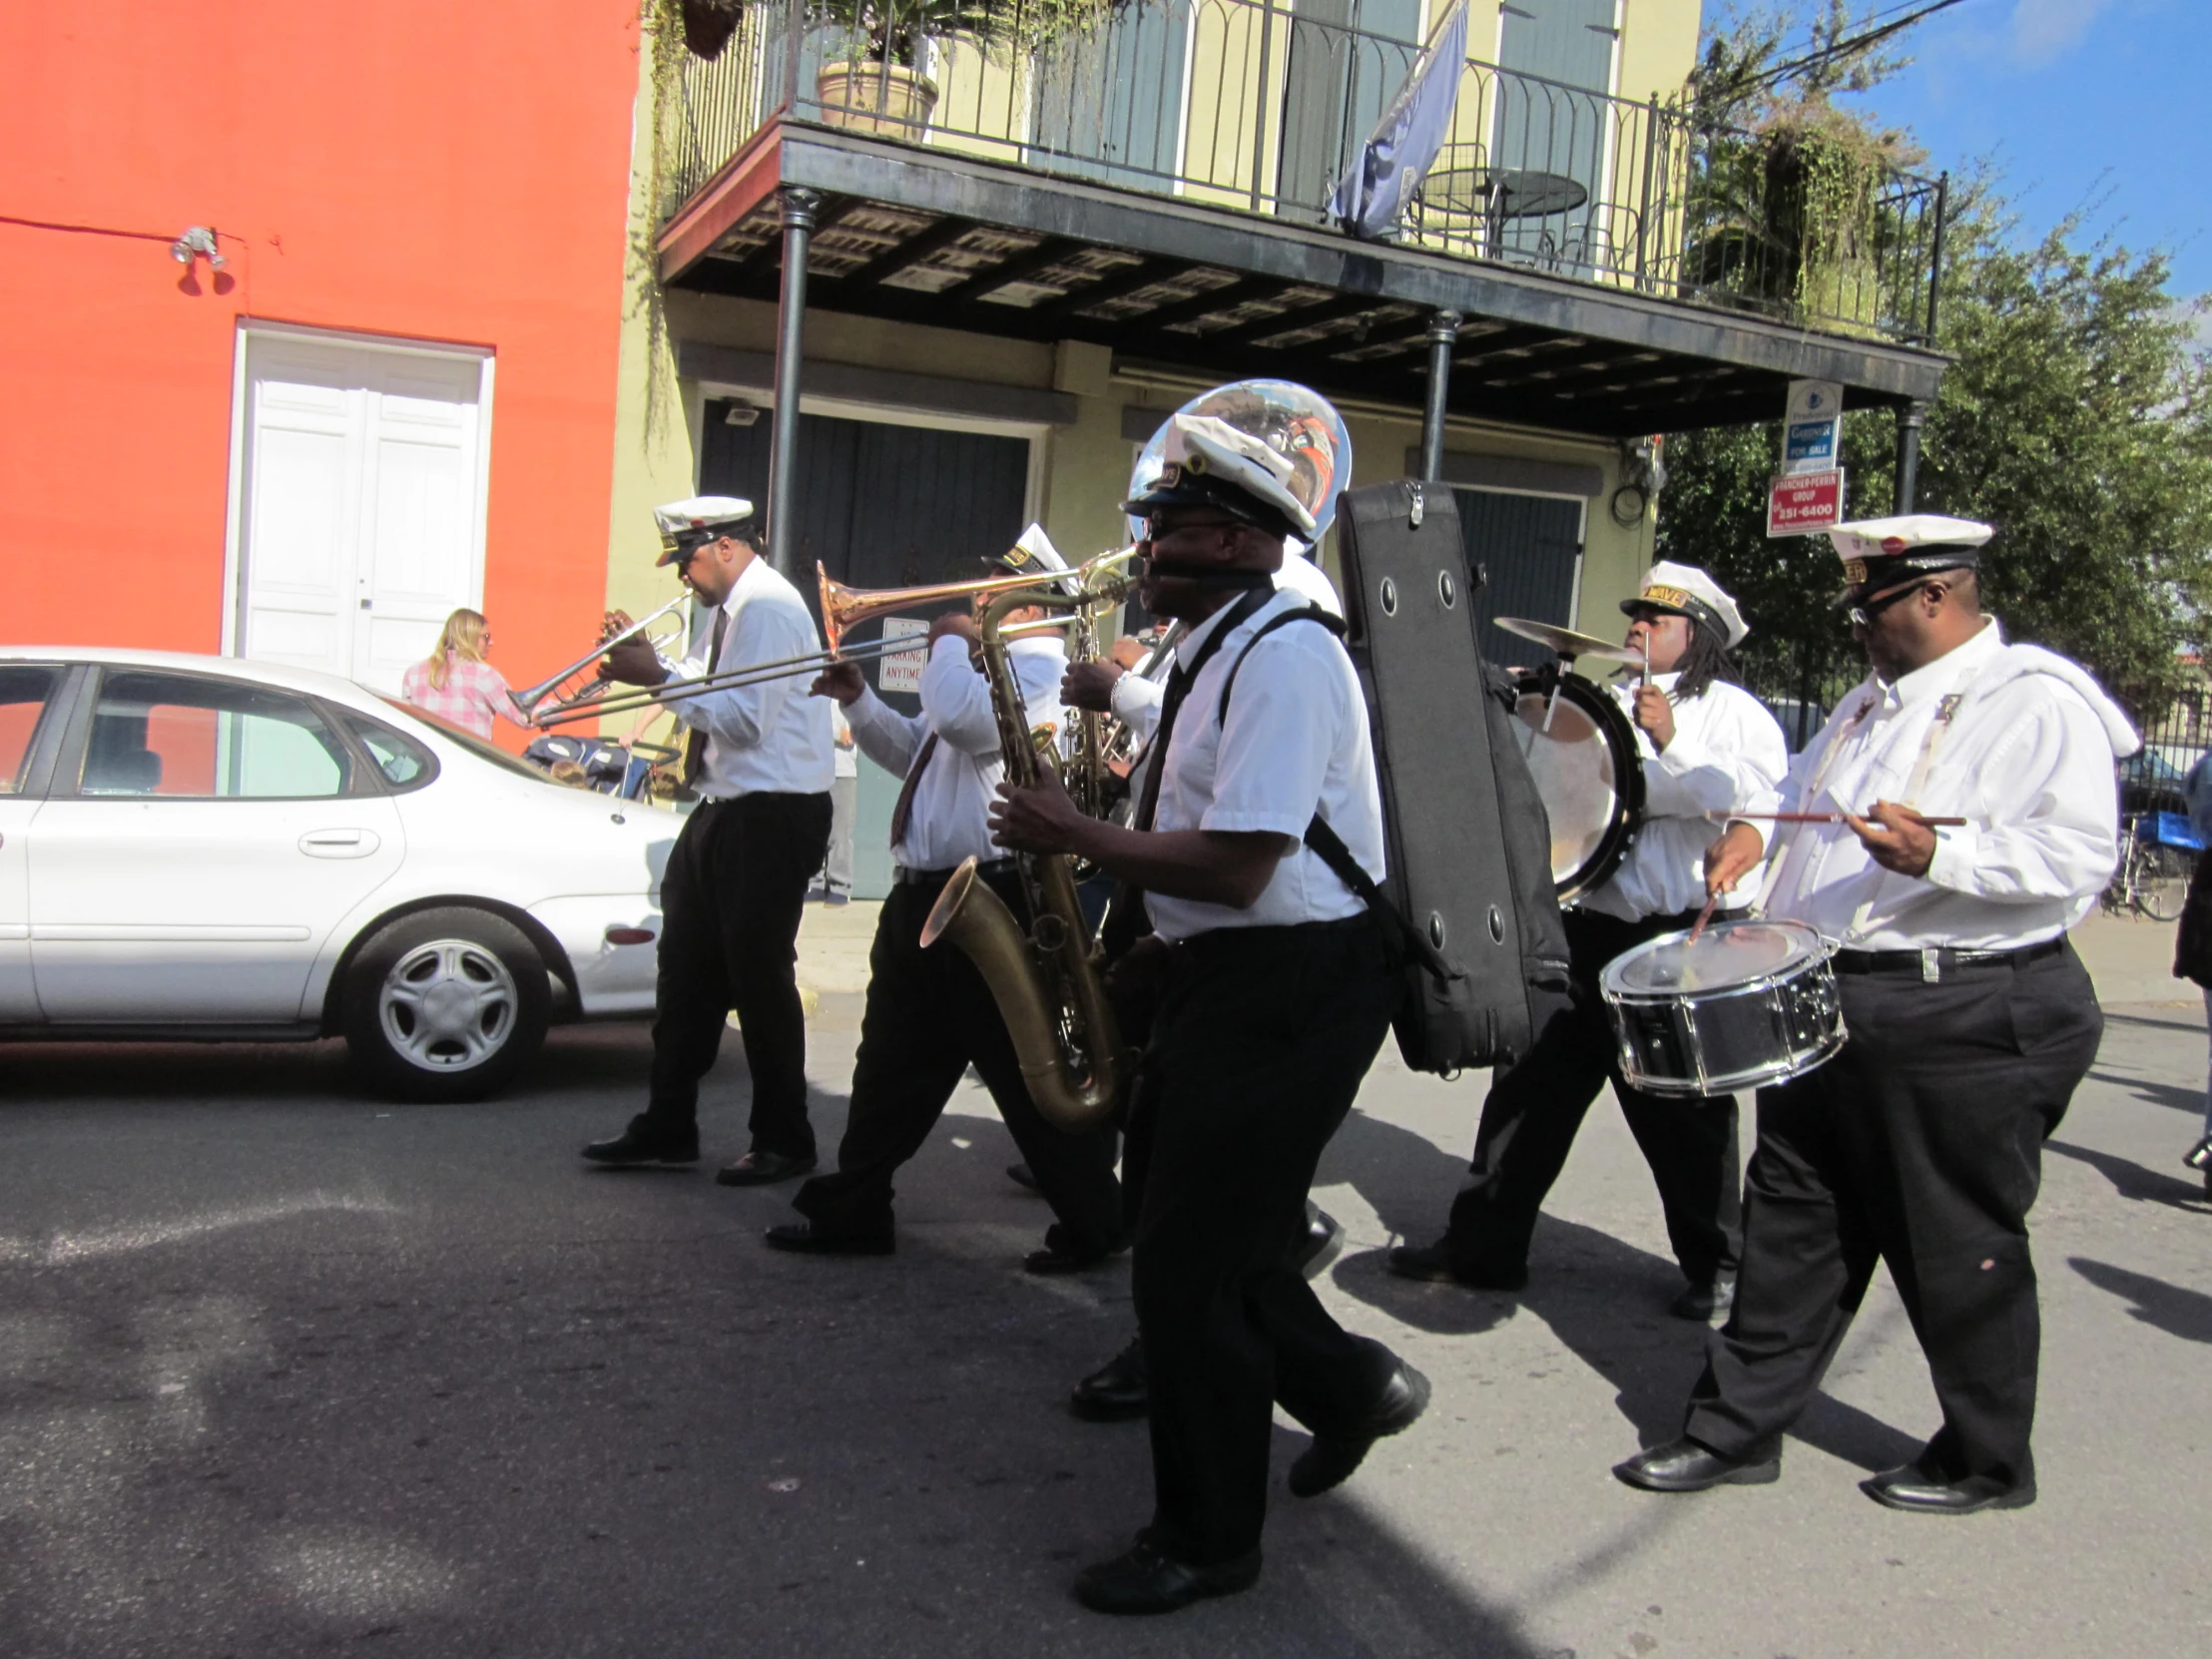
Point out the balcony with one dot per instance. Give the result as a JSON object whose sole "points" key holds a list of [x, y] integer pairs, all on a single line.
{"points": [[1160, 186]]}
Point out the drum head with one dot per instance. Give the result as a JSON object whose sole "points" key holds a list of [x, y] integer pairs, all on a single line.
{"points": [[1727, 954], [1582, 752]]}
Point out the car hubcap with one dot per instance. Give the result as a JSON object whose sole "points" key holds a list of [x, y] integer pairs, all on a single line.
{"points": [[448, 1006]]}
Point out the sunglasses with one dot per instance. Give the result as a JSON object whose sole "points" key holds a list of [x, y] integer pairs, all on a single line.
{"points": [[1862, 615]]}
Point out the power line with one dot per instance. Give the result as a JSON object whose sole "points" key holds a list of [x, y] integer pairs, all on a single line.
{"points": [[1842, 48]]}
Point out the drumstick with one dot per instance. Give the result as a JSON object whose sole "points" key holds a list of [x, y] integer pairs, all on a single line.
{"points": [[1829, 818], [1697, 928]]}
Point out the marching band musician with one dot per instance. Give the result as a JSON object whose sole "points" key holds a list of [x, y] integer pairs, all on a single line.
{"points": [[1276, 986], [761, 758], [929, 1013], [1707, 746], [1971, 1022]]}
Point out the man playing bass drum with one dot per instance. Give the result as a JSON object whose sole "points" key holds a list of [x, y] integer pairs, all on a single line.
{"points": [[1276, 988], [1707, 746]]}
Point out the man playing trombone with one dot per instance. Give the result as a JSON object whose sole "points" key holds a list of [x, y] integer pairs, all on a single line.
{"points": [[759, 756], [929, 1012]]}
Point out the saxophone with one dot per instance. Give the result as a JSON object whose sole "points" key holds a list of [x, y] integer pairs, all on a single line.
{"points": [[1047, 982]]}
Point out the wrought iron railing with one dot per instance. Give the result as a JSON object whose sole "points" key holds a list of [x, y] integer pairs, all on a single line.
{"points": [[1245, 105]]}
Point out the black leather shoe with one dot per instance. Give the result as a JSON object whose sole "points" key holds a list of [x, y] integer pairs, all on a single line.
{"points": [[800, 1238], [1324, 1243], [2200, 1156], [1685, 1466], [1705, 1303], [762, 1169], [1053, 1260], [1912, 1488], [1116, 1392], [1022, 1175], [646, 1143], [1330, 1460], [1435, 1264], [1145, 1581]]}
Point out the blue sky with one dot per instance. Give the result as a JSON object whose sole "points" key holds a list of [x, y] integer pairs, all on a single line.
{"points": [[2091, 105]]}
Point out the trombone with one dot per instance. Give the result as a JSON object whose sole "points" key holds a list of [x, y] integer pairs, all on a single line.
{"points": [[550, 691], [843, 609]]}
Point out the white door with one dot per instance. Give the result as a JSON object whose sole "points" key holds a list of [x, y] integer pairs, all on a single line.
{"points": [[191, 866], [361, 523], [25, 690]]}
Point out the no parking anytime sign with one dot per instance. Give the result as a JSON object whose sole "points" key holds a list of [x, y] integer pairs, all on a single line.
{"points": [[1797, 504]]}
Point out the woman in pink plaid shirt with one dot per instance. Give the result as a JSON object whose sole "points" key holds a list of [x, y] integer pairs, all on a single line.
{"points": [[456, 684]]}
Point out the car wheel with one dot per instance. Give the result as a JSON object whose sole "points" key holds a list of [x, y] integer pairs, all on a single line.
{"points": [[444, 1005]]}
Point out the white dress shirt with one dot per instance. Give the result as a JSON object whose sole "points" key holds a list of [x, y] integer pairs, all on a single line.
{"points": [[1136, 697], [1294, 740], [1726, 754], [2024, 754], [768, 737], [950, 817]]}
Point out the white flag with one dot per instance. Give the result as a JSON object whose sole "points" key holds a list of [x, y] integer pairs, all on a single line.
{"points": [[1371, 196]]}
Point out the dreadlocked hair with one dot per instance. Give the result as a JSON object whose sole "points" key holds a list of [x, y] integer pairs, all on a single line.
{"points": [[1706, 661]]}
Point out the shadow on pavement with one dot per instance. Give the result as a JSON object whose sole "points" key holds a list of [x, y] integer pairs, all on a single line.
{"points": [[2177, 1311], [2131, 1180], [2174, 1095], [1603, 1298]]}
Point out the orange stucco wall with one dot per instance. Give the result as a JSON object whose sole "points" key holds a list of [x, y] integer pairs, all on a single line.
{"points": [[415, 168]]}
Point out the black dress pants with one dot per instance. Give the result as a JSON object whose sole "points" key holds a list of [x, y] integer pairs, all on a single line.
{"points": [[1260, 1041], [1535, 1107], [930, 1015], [1920, 1144], [732, 896]]}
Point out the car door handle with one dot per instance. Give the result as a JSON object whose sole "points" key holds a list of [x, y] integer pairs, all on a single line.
{"points": [[339, 843]]}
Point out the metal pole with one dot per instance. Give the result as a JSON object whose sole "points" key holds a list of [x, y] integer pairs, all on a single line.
{"points": [[791, 329], [1910, 420], [1444, 331], [1643, 210], [1936, 255], [1260, 103]]}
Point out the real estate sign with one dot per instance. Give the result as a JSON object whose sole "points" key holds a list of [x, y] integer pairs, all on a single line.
{"points": [[1797, 504]]}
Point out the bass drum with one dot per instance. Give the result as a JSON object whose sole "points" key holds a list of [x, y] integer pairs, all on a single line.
{"points": [[1581, 751]]}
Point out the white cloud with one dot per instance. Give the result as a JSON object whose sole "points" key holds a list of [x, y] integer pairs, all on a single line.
{"points": [[2042, 29]]}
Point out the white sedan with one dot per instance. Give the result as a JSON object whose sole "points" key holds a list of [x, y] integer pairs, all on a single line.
{"points": [[204, 848]]}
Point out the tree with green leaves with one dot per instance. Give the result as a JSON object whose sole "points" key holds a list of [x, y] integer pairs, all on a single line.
{"points": [[2076, 419]]}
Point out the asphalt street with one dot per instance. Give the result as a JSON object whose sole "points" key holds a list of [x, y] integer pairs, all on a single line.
{"points": [[288, 1370]]}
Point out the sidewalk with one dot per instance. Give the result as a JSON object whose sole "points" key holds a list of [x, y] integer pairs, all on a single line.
{"points": [[2129, 957]]}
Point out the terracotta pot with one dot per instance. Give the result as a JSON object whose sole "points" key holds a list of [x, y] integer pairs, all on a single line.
{"points": [[877, 98]]}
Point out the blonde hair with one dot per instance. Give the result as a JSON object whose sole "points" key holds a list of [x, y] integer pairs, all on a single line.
{"points": [[463, 636]]}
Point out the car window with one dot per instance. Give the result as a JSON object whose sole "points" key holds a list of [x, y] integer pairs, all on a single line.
{"points": [[178, 735], [484, 750], [23, 694], [405, 764]]}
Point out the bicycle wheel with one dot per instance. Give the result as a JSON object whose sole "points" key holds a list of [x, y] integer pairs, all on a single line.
{"points": [[2162, 884]]}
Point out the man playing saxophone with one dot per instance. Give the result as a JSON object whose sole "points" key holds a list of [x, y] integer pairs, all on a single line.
{"points": [[930, 1014]]}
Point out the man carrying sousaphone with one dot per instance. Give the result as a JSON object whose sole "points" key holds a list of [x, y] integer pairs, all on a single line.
{"points": [[1707, 746], [1276, 988], [1958, 818]]}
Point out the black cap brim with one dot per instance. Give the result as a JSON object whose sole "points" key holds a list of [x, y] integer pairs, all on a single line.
{"points": [[1195, 490]]}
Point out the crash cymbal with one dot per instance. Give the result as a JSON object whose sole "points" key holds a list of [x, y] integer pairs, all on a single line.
{"points": [[1570, 644]]}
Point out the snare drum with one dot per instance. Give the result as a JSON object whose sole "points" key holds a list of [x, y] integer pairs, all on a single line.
{"points": [[1750, 1003], [1582, 752]]}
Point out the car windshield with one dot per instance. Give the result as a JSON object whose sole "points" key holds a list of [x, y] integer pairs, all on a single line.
{"points": [[483, 750]]}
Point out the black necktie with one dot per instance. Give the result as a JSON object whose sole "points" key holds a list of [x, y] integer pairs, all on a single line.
{"points": [[904, 813], [1156, 753], [695, 742]]}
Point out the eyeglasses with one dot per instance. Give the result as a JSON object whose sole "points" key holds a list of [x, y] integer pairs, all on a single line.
{"points": [[1862, 615], [1155, 531]]}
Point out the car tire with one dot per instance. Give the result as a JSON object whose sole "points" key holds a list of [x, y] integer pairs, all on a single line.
{"points": [[444, 1005]]}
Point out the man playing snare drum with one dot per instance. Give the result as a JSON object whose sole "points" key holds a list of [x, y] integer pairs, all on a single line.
{"points": [[1708, 747], [1971, 1024]]}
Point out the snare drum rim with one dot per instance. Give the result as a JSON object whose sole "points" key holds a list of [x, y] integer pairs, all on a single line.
{"points": [[1609, 979], [1627, 816], [1614, 994]]}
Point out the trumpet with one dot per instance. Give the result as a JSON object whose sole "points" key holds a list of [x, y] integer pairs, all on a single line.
{"points": [[550, 691]]}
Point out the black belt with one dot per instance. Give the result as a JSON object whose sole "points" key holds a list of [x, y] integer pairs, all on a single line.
{"points": [[904, 877], [1942, 956]]}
